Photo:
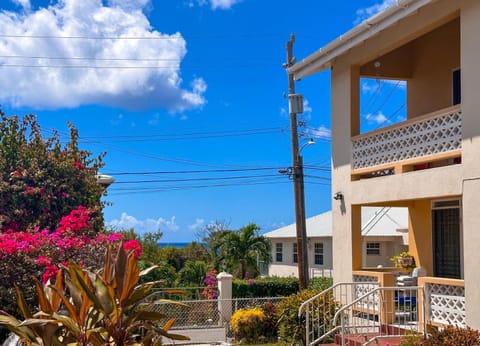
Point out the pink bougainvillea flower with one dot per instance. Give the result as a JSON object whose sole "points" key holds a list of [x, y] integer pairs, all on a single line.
{"points": [[49, 273], [76, 221], [43, 260], [78, 165], [114, 237], [133, 245]]}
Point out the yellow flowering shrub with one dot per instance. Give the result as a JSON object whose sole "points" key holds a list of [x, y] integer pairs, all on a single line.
{"points": [[247, 324]]}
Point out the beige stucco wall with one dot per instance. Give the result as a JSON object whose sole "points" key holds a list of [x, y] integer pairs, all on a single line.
{"points": [[470, 62], [434, 56]]}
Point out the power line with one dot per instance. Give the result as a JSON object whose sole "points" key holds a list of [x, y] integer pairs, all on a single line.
{"points": [[148, 155], [129, 191], [389, 95], [132, 67], [374, 97], [391, 116], [85, 58], [145, 38], [197, 171], [140, 59], [195, 179], [184, 136]]}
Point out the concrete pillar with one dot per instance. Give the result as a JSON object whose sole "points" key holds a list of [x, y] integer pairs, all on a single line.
{"points": [[225, 281]]}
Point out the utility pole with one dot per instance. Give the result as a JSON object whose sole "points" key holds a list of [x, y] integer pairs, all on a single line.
{"points": [[295, 103]]}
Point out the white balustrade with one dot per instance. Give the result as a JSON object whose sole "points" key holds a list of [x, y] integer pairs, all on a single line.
{"points": [[437, 133]]}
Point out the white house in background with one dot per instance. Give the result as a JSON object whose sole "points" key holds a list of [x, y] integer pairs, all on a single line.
{"points": [[384, 234]]}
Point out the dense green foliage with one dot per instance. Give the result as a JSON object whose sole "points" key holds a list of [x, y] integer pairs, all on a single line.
{"points": [[256, 325], [41, 179], [267, 287], [192, 274], [290, 327], [448, 336], [247, 324], [89, 308], [320, 284], [241, 250]]}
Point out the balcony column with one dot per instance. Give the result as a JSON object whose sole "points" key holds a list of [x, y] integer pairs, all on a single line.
{"points": [[357, 245], [420, 234], [471, 241], [345, 107]]}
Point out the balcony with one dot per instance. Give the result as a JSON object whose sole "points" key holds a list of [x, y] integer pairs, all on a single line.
{"points": [[428, 141], [445, 301], [441, 302]]}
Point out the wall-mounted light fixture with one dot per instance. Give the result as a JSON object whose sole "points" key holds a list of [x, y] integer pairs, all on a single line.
{"points": [[338, 196]]}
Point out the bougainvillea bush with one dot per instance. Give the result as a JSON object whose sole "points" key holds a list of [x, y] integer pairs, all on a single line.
{"points": [[40, 252], [44, 179], [210, 290]]}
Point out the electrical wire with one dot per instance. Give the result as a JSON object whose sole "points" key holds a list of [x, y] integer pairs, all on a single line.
{"points": [[129, 191], [183, 136], [148, 38]]}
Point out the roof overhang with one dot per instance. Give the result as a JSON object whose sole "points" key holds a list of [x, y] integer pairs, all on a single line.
{"points": [[324, 57]]}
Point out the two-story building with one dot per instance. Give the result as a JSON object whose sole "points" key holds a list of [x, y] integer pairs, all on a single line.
{"points": [[384, 235], [428, 163]]}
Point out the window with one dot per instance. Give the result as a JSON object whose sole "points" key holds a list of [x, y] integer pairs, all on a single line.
{"points": [[295, 253], [319, 253], [279, 252], [447, 239], [456, 87], [373, 249]]}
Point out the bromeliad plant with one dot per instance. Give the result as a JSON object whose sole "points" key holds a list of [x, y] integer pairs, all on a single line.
{"points": [[87, 308]]}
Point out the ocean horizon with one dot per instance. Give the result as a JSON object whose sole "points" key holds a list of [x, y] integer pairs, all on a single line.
{"points": [[173, 244]]}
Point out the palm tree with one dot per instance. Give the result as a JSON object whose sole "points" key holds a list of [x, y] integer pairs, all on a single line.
{"points": [[245, 248], [192, 274]]}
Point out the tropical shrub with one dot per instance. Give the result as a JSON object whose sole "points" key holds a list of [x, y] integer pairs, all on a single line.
{"points": [[291, 328], [270, 322], [248, 324], [267, 287], [193, 274], [241, 250], [320, 284], [41, 179], [87, 308], [39, 254], [163, 271], [447, 336], [210, 290]]}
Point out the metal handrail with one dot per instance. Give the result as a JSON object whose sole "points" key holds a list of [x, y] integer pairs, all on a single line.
{"points": [[330, 290], [342, 310]]}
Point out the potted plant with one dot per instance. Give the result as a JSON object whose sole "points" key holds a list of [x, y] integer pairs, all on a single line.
{"points": [[403, 260]]}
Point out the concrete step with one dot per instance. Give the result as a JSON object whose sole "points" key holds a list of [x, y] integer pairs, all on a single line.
{"points": [[360, 339]]}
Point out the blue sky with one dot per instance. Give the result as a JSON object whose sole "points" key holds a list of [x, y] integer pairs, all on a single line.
{"points": [[186, 98]]}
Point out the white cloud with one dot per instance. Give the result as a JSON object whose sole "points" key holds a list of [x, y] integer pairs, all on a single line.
{"points": [[143, 226], [67, 87], [223, 4], [215, 4], [369, 87], [307, 110], [129, 4], [320, 132], [378, 118], [25, 4], [367, 12], [199, 223]]}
